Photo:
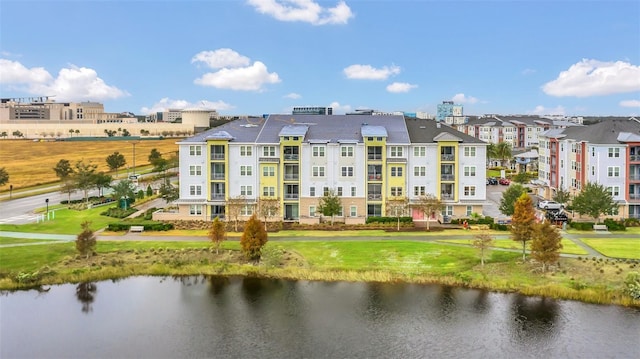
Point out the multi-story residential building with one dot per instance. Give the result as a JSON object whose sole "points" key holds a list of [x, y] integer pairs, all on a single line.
{"points": [[518, 131], [607, 153], [368, 161]]}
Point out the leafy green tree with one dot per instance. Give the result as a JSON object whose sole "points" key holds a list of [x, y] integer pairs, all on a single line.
{"points": [[509, 197], [428, 205], [102, 180], [63, 169], [168, 192], [253, 239], [86, 240], [154, 155], [491, 152], [71, 132], [483, 242], [115, 161], [217, 233], [522, 177], [562, 196], [4, 134], [17, 134], [594, 200], [4, 176], [523, 221], [546, 244], [149, 191], [330, 205], [84, 177]]}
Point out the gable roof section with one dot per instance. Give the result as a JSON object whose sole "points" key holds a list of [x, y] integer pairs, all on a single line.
{"points": [[241, 130], [428, 131]]}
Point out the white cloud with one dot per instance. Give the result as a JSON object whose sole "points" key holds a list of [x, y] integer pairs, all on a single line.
{"points": [[304, 11], [368, 72], [167, 103], [339, 109], [250, 78], [630, 103], [593, 78], [528, 71], [293, 96], [221, 58], [398, 87], [13, 72], [72, 83], [462, 98], [541, 110]]}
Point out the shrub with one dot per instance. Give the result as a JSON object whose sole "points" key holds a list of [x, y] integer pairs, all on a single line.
{"points": [[403, 220], [118, 212], [272, 256], [614, 225], [582, 226], [632, 283]]}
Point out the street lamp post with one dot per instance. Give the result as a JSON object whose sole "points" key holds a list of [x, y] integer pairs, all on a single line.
{"points": [[47, 202], [10, 191], [134, 157]]}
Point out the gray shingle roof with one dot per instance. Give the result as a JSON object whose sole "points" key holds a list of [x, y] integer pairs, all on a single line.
{"points": [[425, 131], [605, 132]]}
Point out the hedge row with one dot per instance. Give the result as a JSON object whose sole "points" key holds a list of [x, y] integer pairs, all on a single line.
{"points": [[610, 223], [389, 220], [124, 226]]}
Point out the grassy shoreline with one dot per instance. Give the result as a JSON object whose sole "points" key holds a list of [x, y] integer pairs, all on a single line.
{"points": [[407, 261]]}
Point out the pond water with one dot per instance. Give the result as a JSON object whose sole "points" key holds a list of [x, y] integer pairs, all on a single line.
{"points": [[222, 317]]}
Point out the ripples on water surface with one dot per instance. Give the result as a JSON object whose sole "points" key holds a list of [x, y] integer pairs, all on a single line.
{"points": [[222, 317]]}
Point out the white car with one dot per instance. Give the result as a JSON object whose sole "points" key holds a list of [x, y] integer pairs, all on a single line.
{"points": [[549, 205]]}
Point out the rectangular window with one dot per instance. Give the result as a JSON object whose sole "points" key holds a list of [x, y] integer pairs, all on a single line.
{"points": [[339, 191], [312, 211], [317, 171], [613, 171], [312, 191], [419, 171], [396, 151], [353, 192], [469, 151], [396, 191], [470, 171], [615, 191], [353, 211], [347, 171], [269, 151], [245, 151], [346, 151], [246, 190], [195, 190], [469, 190], [195, 209], [419, 151], [268, 171], [448, 211], [614, 152], [247, 210], [268, 191], [396, 171], [195, 150], [195, 170], [246, 170], [318, 151], [469, 210], [419, 190], [341, 212], [325, 191]]}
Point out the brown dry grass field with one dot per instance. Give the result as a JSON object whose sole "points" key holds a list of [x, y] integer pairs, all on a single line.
{"points": [[31, 163]]}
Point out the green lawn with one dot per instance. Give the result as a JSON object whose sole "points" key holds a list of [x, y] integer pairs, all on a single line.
{"points": [[8, 240], [66, 221], [615, 247], [568, 246]]}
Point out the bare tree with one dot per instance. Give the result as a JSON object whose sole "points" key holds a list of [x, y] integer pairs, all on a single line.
{"points": [[428, 204], [397, 207], [483, 241], [234, 209], [217, 233], [268, 208]]}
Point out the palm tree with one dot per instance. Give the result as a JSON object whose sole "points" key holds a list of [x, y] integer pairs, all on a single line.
{"points": [[491, 152], [503, 152]]}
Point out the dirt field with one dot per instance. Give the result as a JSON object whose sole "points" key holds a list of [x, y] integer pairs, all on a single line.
{"points": [[31, 163]]}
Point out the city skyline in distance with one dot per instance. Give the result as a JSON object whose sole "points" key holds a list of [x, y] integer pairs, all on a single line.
{"points": [[266, 56]]}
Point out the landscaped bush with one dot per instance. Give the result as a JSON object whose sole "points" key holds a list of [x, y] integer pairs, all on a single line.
{"points": [[499, 227], [148, 226], [614, 225], [93, 200], [389, 220], [582, 226], [631, 222], [118, 212], [482, 220]]}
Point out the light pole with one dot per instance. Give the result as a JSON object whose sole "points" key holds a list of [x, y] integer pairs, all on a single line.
{"points": [[10, 191], [134, 157], [47, 202]]}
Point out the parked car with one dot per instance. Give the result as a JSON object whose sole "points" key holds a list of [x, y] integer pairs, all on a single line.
{"points": [[492, 181], [549, 205], [504, 181]]}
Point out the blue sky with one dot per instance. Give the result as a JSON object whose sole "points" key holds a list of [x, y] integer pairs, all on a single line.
{"points": [[266, 56]]}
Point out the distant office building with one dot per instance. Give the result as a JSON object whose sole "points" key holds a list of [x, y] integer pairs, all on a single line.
{"points": [[450, 113], [315, 110]]}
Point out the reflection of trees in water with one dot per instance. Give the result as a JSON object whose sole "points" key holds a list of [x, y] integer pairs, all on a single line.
{"points": [[534, 318], [481, 302], [189, 280], [383, 298], [217, 284], [253, 288], [86, 292], [447, 301]]}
